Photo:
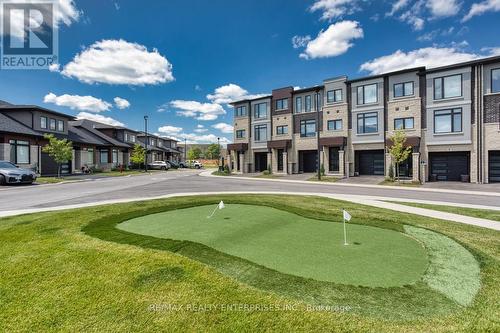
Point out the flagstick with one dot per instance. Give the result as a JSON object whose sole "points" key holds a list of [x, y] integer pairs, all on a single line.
{"points": [[212, 212], [345, 237]]}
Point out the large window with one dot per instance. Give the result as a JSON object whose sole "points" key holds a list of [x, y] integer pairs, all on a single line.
{"points": [[403, 89], [281, 130], [298, 104], [115, 156], [43, 122], [19, 151], [367, 123], [307, 128], [261, 133], [260, 110], [403, 123], [448, 86], [495, 80], [334, 125], [367, 94], [282, 104], [240, 134], [448, 121], [52, 124], [60, 126], [90, 156], [334, 96], [103, 156], [308, 102], [241, 111]]}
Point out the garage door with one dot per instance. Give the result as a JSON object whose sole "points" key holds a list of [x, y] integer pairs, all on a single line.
{"points": [[494, 167], [308, 161], [370, 162], [449, 166], [49, 166]]}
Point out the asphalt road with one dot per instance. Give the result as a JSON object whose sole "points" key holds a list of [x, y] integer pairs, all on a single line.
{"points": [[188, 181]]}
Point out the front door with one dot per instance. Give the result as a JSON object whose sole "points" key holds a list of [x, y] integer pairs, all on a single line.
{"points": [[333, 159], [406, 168], [280, 159]]}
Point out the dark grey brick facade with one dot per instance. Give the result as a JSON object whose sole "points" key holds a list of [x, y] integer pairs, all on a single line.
{"points": [[492, 108]]}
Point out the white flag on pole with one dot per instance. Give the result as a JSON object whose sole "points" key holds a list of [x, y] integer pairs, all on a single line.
{"points": [[221, 205], [347, 216]]}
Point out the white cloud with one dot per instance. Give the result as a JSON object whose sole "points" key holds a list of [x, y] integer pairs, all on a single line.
{"points": [[397, 6], [200, 129], [197, 110], [121, 103], [231, 93], [64, 13], [76, 102], [170, 130], [429, 57], [491, 51], [223, 127], [192, 138], [99, 118], [333, 41], [482, 7], [333, 9], [300, 41], [54, 67], [443, 8], [119, 62]]}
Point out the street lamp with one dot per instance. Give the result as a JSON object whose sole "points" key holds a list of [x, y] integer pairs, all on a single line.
{"points": [[317, 133], [146, 144], [218, 157], [185, 149]]}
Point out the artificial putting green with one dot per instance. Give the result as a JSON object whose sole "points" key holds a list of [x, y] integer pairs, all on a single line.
{"points": [[293, 244]]}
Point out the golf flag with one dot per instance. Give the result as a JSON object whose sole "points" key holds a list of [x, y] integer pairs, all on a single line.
{"points": [[347, 216], [219, 206]]}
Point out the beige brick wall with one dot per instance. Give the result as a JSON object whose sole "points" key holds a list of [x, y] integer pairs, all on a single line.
{"points": [[414, 110], [332, 112], [282, 120], [241, 123]]}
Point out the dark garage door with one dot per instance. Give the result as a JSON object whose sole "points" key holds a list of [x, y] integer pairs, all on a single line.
{"points": [[449, 166], [308, 160], [494, 167], [370, 162], [260, 162], [49, 166]]}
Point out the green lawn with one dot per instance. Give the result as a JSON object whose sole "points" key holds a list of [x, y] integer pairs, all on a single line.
{"points": [[481, 213], [53, 180], [75, 271], [387, 182], [326, 179], [294, 245]]}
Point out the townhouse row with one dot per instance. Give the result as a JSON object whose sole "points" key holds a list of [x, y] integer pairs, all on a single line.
{"points": [[95, 145], [450, 116]]}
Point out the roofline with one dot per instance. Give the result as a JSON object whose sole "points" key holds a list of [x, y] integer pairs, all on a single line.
{"points": [[336, 78], [401, 71], [464, 64], [7, 107], [249, 100], [313, 88]]}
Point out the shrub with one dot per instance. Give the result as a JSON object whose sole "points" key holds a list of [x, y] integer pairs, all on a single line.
{"points": [[266, 172], [322, 169], [226, 170]]}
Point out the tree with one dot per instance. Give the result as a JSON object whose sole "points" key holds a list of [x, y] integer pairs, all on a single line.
{"points": [[60, 150], [213, 151], [194, 153], [399, 151], [138, 154]]}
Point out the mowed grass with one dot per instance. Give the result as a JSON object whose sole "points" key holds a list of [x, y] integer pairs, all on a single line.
{"points": [[56, 277], [481, 213], [293, 244]]}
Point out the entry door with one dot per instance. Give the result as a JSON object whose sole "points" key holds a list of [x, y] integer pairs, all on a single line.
{"points": [[333, 159], [406, 167], [449, 166], [494, 166], [280, 159]]}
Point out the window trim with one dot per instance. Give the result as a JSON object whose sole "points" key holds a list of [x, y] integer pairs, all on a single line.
{"points": [[282, 106], [297, 109], [491, 80], [59, 121], [101, 151], [14, 142], [284, 129], [240, 131], [303, 124], [255, 133], [363, 116], [255, 108], [241, 114], [310, 103], [333, 121], [334, 96], [46, 122], [404, 90], [442, 87], [404, 123], [363, 88], [451, 110], [50, 124]]}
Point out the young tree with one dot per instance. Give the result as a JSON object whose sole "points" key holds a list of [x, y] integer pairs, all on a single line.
{"points": [[138, 154], [399, 151], [60, 150], [213, 151]]}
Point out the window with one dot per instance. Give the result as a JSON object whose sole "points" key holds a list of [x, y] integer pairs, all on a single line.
{"points": [[334, 125], [132, 138], [241, 111], [308, 103], [367, 94], [115, 156], [367, 123], [19, 151], [448, 121], [298, 104], [160, 143], [403, 89], [90, 156], [260, 110], [103, 156], [495, 80], [152, 142], [334, 96], [60, 126], [52, 124], [308, 128], [43, 122], [261, 133], [448, 86], [281, 130], [282, 104], [403, 123], [240, 134]]}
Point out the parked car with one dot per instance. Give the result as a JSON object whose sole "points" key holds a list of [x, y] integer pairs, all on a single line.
{"points": [[182, 165], [174, 164], [12, 174], [159, 165], [194, 164]]}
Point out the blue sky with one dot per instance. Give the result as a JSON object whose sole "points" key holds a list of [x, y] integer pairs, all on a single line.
{"points": [[181, 62]]}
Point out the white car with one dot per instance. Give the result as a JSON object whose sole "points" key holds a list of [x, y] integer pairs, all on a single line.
{"points": [[159, 165], [195, 164], [12, 174]]}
